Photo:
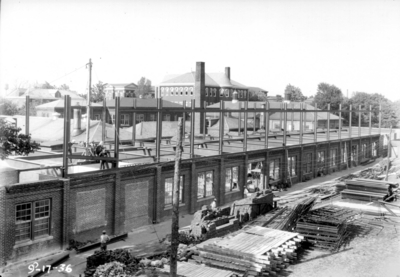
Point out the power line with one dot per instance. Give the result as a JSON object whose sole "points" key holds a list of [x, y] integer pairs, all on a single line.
{"points": [[67, 74]]}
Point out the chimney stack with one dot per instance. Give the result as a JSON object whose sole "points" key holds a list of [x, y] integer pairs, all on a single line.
{"points": [[228, 72], [77, 122]]}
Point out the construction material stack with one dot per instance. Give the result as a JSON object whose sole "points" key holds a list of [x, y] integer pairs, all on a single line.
{"points": [[325, 227], [366, 189], [257, 251]]}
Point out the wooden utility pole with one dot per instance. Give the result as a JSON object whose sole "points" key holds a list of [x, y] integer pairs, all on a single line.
{"points": [[175, 201], [88, 107]]}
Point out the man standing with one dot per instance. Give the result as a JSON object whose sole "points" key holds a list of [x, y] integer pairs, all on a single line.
{"points": [[104, 238]]}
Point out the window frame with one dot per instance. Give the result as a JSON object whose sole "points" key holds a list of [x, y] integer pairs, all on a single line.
{"points": [[181, 190], [275, 169], [124, 118], [229, 185], [308, 165], [291, 163], [44, 212], [203, 187]]}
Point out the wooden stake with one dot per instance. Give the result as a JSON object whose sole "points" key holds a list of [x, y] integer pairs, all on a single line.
{"points": [[175, 202]]}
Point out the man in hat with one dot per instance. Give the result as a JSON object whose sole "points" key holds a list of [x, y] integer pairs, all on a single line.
{"points": [[104, 238], [213, 204]]}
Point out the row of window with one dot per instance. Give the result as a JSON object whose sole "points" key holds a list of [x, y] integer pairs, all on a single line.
{"points": [[176, 91], [125, 118], [212, 92]]}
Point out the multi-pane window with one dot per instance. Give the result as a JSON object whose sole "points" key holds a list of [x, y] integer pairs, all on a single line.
{"points": [[354, 153], [152, 117], [232, 179], [344, 155], [227, 93], [32, 220], [374, 149], [140, 117], [168, 190], [96, 117], [364, 150], [166, 117], [308, 167], [124, 119], [274, 170], [333, 157], [204, 184], [292, 166], [206, 91], [321, 158]]}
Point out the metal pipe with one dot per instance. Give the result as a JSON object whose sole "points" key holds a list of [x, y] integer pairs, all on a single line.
{"points": [[159, 129], [315, 124], [254, 117], [328, 127], [301, 125], [246, 106], [88, 107], [116, 135], [192, 127], [134, 122], [103, 123], [240, 119], [359, 121], [204, 118], [292, 117], [221, 128], [285, 123], [340, 121], [27, 105], [67, 128], [380, 118], [370, 120], [350, 127]]}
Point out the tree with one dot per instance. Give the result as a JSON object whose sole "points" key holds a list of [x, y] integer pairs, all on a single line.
{"points": [[97, 94], [7, 107], [46, 85], [328, 94], [258, 96], [144, 88], [64, 87], [12, 142], [32, 107], [294, 93]]}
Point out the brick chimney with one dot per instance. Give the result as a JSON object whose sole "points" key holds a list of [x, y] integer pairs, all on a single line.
{"points": [[199, 93], [228, 72]]}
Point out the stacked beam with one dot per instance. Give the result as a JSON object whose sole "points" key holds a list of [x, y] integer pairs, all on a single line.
{"points": [[366, 189], [325, 227], [257, 251]]}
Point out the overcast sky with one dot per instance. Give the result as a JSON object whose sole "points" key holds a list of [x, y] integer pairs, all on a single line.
{"points": [[354, 45]]}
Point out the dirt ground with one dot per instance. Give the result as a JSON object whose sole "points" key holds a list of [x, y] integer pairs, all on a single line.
{"points": [[373, 249]]}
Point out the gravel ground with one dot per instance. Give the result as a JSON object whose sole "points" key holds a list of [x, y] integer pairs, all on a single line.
{"points": [[370, 251]]}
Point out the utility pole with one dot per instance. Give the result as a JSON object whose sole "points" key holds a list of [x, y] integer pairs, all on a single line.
{"points": [[88, 107], [175, 201], [388, 155]]}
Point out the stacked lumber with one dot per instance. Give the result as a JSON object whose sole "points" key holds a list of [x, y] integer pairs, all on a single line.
{"points": [[257, 251], [193, 270], [288, 219], [325, 227], [366, 189]]}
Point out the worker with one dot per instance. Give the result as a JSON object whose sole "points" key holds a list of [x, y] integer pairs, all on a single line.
{"points": [[390, 196], [213, 204], [72, 142], [101, 151], [104, 238]]}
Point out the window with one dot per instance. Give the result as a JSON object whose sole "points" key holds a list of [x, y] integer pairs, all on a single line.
{"points": [[215, 92], [232, 179], [204, 184], [374, 149], [32, 220], [227, 93], [274, 170], [364, 151], [152, 117], [96, 117], [354, 153], [124, 119], [292, 166], [206, 91], [308, 168], [333, 157], [344, 155], [168, 190], [166, 117], [221, 92], [140, 117], [321, 158], [113, 118]]}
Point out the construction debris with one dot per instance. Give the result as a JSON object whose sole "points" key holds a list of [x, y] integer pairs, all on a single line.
{"points": [[257, 251], [325, 227]]}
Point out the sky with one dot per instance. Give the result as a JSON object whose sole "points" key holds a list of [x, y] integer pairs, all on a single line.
{"points": [[354, 45]]}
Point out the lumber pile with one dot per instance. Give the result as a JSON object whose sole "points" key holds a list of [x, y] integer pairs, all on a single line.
{"points": [[366, 189], [325, 227], [249, 208], [257, 251], [194, 270]]}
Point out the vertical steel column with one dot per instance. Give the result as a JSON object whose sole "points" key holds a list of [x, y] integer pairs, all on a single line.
{"points": [[315, 124], [192, 123], [204, 120], [292, 117], [184, 122], [340, 152], [159, 129], [380, 118], [254, 117], [301, 124], [240, 118], [246, 106], [350, 127], [27, 105], [67, 130], [266, 124], [340, 121], [285, 123], [116, 136], [134, 123], [328, 125], [370, 120], [359, 121], [280, 116], [221, 127], [103, 123]]}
